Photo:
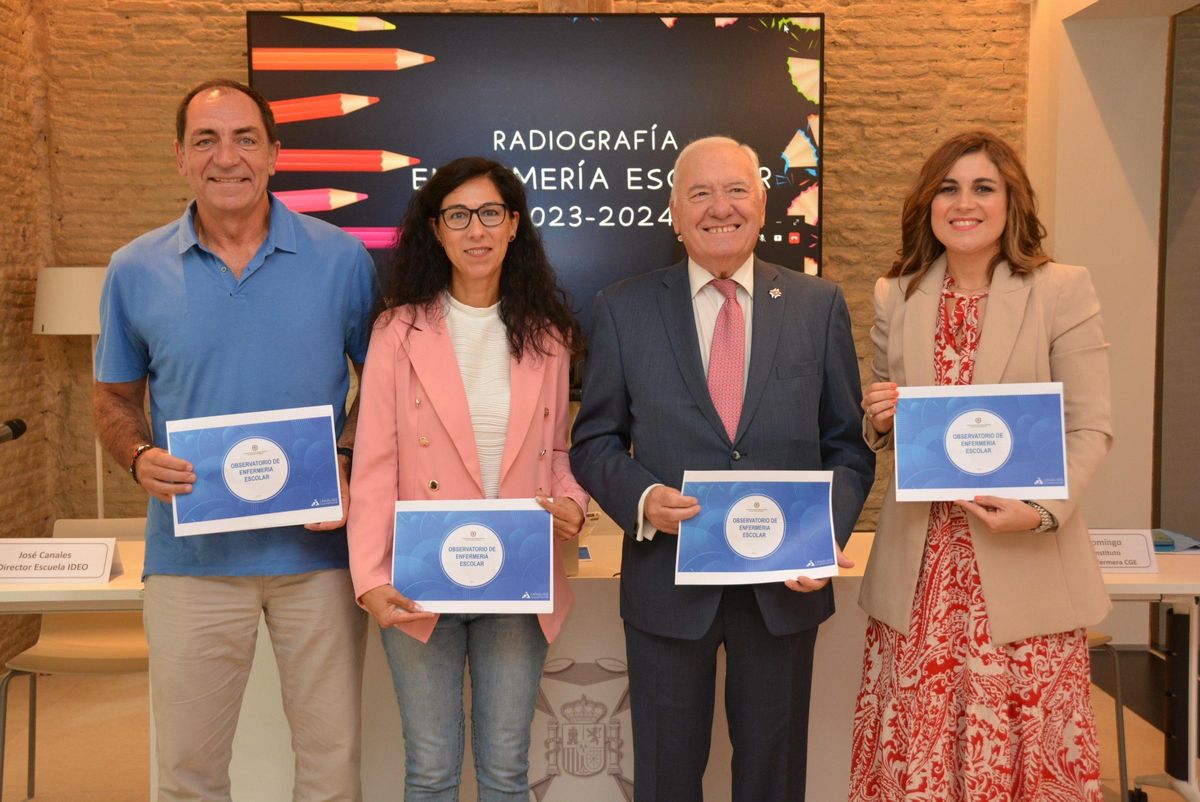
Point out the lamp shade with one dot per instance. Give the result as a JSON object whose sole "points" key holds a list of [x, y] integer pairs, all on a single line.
{"points": [[68, 300]]}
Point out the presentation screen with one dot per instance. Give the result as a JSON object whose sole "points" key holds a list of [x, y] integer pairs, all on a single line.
{"points": [[590, 112]]}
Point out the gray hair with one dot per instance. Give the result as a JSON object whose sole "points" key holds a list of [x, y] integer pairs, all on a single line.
{"points": [[716, 140]]}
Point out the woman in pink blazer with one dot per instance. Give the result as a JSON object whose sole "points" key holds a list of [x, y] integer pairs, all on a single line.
{"points": [[464, 396]]}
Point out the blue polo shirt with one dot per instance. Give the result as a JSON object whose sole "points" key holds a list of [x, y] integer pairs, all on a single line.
{"points": [[214, 345]]}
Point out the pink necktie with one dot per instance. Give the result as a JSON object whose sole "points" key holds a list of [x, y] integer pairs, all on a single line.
{"points": [[727, 357]]}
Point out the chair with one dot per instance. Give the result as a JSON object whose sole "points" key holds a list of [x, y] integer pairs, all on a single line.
{"points": [[78, 643], [1099, 641]]}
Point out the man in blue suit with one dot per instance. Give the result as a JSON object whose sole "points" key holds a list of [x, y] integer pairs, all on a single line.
{"points": [[721, 362]]}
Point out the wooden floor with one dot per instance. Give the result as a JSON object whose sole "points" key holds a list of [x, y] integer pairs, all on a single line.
{"points": [[93, 741]]}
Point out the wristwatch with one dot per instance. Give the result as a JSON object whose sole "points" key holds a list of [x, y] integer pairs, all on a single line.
{"points": [[1048, 523]]}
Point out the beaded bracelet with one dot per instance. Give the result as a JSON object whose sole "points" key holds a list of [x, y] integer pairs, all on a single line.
{"points": [[137, 453]]}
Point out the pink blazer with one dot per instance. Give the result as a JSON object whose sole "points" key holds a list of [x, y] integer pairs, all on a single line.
{"points": [[415, 441]]}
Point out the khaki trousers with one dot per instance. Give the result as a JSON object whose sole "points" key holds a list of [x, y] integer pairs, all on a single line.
{"points": [[202, 633]]}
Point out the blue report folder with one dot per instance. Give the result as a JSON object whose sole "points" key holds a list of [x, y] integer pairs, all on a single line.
{"points": [[475, 556], [756, 526], [257, 470], [1006, 440]]}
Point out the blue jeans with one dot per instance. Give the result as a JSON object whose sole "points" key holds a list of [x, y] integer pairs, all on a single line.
{"points": [[505, 654]]}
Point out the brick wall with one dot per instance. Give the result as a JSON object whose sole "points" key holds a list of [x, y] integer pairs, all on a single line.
{"points": [[103, 82], [25, 490]]}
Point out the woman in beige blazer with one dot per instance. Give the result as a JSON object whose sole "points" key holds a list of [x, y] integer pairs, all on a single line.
{"points": [[975, 678]]}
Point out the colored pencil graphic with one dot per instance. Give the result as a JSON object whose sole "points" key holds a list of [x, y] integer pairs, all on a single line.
{"points": [[349, 161], [375, 238], [318, 200], [805, 204], [799, 153], [347, 23], [335, 58], [317, 107], [806, 77]]}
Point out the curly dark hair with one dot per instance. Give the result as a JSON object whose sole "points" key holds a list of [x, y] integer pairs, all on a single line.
{"points": [[536, 310], [1021, 242]]}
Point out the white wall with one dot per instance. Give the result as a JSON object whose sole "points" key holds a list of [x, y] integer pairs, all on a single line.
{"points": [[1095, 142], [1097, 82]]}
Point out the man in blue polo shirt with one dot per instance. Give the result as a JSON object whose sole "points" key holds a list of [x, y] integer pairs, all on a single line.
{"points": [[238, 306]]}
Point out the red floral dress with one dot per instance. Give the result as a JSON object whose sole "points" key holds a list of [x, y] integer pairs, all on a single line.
{"points": [[944, 713]]}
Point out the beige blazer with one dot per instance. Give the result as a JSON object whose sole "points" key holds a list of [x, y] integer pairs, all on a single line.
{"points": [[1036, 328]]}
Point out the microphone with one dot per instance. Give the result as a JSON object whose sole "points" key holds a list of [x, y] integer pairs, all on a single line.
{"points": [[11, 429]]}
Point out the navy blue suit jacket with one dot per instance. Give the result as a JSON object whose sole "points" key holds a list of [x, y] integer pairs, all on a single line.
{"points": [[644, 386]]}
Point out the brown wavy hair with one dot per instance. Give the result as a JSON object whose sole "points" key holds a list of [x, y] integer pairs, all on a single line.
{"points": [[1021, 241]]}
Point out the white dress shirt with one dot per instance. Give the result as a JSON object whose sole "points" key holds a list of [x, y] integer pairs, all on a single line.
{"points": [[707, 301]]}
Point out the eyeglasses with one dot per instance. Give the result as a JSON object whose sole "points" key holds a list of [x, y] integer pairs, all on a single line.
{"points": [[457, 218]]}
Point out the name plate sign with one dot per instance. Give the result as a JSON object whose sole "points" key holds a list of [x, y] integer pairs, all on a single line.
{"points": [[1124, 551], [60, 559]]}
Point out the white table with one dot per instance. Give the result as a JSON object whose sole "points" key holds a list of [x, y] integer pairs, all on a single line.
{"points": [[588, 661], [122, 593], [1177, 585]]}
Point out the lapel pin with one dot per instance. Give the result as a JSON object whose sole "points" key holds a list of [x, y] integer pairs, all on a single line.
{"points": [[775, 292]]}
